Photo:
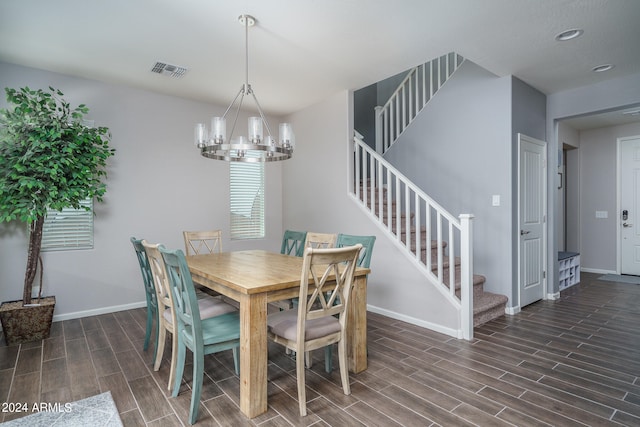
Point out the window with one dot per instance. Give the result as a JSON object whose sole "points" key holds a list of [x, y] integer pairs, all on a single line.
{"points": [[247, 200], [69, 229]]}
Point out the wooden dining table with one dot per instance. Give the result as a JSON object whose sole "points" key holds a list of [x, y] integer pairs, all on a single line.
{"points": [[255, 278]]}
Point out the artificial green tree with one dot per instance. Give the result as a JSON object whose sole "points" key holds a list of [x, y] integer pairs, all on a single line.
{"points": [[48, 160]]}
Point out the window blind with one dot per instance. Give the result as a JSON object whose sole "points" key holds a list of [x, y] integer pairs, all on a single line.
{"points": [[247, 200], [68, 229]]}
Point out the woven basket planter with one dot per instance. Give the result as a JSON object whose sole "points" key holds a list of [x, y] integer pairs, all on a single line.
{"points": [[23, 324]]}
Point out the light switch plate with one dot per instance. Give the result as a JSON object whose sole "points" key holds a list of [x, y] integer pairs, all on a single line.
{"points": [[495, 200]]}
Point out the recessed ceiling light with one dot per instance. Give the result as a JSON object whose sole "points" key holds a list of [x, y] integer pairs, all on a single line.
{"points": [[602, 68], [569, 34], [632, 113]]}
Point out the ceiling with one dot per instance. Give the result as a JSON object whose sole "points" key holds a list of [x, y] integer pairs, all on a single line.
{"points": [[301, 51]]}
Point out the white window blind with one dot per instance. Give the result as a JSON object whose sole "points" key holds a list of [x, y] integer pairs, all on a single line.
{"points": [[247, 200], [68, 229]]}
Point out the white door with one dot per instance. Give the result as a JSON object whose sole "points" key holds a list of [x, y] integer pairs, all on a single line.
{"points": [[532, 210], [629, 213]]}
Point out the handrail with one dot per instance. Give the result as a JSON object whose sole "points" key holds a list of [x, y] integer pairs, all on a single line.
{"points": [[414, 220], [412, 94]]}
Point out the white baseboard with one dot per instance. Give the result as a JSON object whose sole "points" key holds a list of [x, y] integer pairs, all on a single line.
{"points": [[512, 310], [97, 311], [418, 322], [597, 270]]}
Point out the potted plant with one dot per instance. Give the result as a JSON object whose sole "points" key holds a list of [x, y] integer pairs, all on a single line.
{"points": [[48, 160]]}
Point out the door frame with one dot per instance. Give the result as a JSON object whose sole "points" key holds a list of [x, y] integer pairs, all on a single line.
{"points": [[619, 199], [545, 226]]}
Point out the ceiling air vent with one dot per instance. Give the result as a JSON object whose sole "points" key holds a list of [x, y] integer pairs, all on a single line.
{"points": [[168, 69]]}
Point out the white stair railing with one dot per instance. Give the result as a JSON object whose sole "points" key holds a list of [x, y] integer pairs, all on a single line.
{"points": [[414, 220], [421, 83]]}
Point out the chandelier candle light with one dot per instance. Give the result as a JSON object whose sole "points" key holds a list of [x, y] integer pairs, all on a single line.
{"points": [[256, 147]]}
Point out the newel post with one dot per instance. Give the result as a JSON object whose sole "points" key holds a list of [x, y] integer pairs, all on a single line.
{"points": [[466, 271]]}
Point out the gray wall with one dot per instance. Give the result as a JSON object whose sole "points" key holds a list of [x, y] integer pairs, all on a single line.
{"points": [[567, 200], [608, 95], [528, 117], [158, 186], [598, 180], [315, 184], [459, 153]]}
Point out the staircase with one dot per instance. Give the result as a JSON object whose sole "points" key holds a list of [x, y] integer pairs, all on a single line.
{"points": [[486, 305], [411, 96], [439, 244]]}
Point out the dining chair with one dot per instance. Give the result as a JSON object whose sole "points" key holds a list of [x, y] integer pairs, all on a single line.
{"points": [[207, 307], [201, 336], [202, 242], [320, 240], [314, 240], [150, 294], [364, 260], [292, 244], [313, 324]]}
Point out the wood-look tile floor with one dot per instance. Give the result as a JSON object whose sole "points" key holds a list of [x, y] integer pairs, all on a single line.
{"points": [[574, 361]]}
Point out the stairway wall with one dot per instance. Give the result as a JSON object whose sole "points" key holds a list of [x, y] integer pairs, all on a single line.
{"points": [[459, 150], [315, 197]]}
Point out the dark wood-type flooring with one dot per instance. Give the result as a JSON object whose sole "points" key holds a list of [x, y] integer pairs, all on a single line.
{"points": [[574, 361]]}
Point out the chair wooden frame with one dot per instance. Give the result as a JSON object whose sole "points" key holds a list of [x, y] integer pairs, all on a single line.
{"points": [[165, 302], [199, 242], [364, 260], [320, 240], [314, 325], [208, 307], [201, 336], [150, 294], [293, 242], [367, 242]]}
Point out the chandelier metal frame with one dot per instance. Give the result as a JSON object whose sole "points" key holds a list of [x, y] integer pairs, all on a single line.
{"points": [[256, 147]]}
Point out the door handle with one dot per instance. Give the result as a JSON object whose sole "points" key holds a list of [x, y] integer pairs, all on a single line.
{"points": [[627, 225], [522, 232]]}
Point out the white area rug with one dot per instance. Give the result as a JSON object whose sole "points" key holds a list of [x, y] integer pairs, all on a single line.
{"points": [[621, 278], [94, 411]]}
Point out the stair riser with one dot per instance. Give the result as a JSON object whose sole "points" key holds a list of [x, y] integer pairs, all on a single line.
{"points": [[486, 316]]}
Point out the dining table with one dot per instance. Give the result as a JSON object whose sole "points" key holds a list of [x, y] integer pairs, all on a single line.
{"points": [[254, 278]]}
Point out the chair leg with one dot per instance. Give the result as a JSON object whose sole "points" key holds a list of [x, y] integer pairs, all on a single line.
{"points": [[162, 336], [174, 352], [157, 335], [147, 335], [302, 392], [344, 365], [198, 373], [236, 360], [182, 351], [307, 359], [328, 360]]}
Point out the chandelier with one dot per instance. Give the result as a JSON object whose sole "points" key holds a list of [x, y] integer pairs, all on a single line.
{"points": [[256, 146]]}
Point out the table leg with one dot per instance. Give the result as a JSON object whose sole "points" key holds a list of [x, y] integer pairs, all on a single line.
{"points": [[253, 354], [357, 328]]}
